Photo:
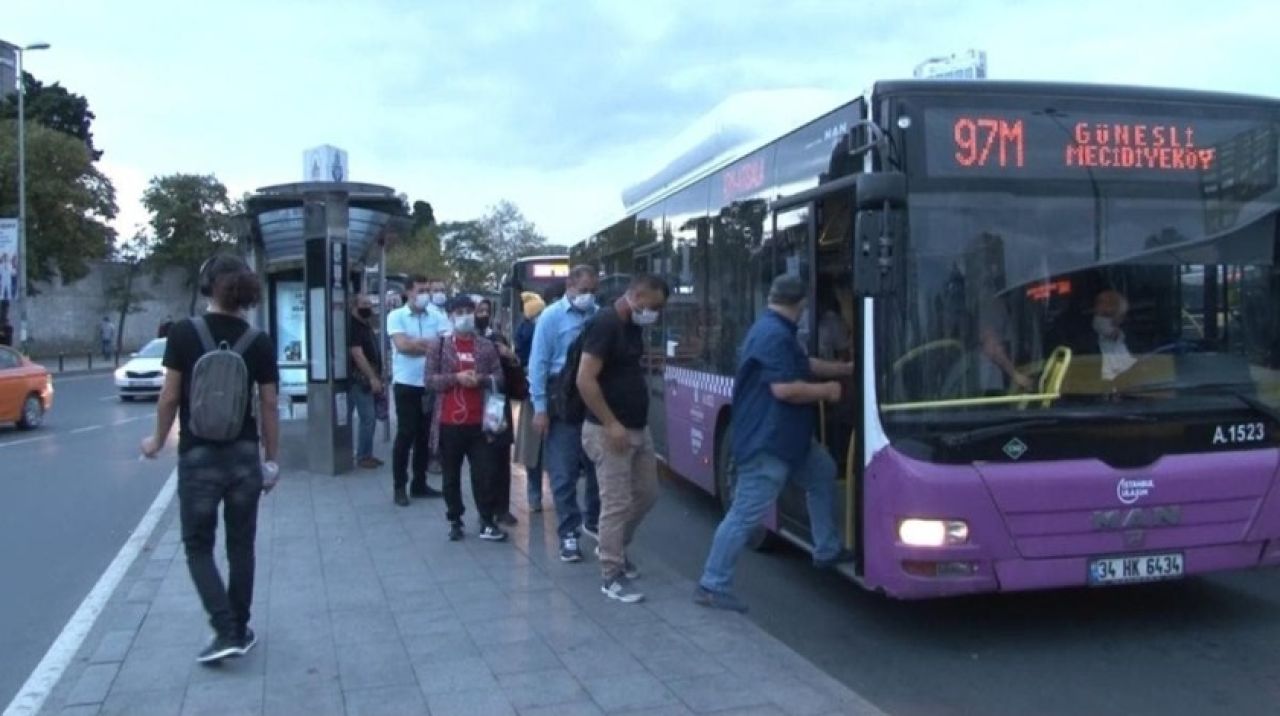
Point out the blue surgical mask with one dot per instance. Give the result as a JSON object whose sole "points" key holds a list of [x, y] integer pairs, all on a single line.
{"points": [[583, 301], [422, 300], [439, 298]]}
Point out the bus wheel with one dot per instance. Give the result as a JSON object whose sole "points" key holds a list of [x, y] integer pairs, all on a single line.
{"points": [[761, 539]]}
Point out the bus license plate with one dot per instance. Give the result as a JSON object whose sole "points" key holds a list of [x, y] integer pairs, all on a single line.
{"points": [[1138, 568]]}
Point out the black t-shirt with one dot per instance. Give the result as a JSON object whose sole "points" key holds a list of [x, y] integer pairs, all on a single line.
{"points": [[361, 335], [619, 344], [183, 349]]}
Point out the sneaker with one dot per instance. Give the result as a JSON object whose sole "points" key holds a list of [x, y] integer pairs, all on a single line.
{"points": [[508, 519], [718, 600], [424, 491], [457, 531], [492, 533], [221, 647], [247, 641], [844, 556], [629, 569], [592, 531], [569, 551], [619, 589], [401, 498], [368, 463]]}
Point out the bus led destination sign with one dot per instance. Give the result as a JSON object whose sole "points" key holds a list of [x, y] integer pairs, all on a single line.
{"points": [[1060, 145]]}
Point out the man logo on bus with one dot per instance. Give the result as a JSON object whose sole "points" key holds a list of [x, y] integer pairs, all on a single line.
{"points": [[1129, 491]]}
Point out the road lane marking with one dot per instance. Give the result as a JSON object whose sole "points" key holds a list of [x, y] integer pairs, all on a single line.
{"points": [[24, 441], [85, 429], [36, 690], [133, 419]]}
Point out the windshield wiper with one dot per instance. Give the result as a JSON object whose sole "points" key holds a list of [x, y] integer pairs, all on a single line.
{"points": [[986, 432], [1233, 390]]}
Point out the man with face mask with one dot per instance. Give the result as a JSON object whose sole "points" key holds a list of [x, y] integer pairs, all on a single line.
{"points": [[1110, 308], [412, 327], [616, 435], [559, 325], [366, 378]]}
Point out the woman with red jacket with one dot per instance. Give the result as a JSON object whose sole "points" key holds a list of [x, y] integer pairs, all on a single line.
{"points": [[461, 368]]}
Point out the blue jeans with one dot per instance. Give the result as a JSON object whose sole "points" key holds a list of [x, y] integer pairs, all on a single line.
{"points": [[565, 459], [362, 405], [760, 481]]}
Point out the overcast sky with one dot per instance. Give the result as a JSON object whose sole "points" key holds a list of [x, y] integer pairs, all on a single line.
{"points": [[555, 105]]}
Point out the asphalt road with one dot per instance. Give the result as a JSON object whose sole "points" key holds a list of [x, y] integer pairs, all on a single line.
{"points": [[1202, 646], [71, 493]]}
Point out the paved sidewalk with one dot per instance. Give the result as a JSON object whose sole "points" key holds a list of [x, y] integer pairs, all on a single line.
{"points": [[363, 607]]}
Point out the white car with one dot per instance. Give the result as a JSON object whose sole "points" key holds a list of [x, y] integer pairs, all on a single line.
{"points": [[143, 375]]}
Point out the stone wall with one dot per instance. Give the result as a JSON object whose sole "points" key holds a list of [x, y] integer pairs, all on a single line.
{"points": [[64, 317]]}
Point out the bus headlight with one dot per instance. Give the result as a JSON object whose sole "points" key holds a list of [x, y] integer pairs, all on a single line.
{"points": [[932, 533]]}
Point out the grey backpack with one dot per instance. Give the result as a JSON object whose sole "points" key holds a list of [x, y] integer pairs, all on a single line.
{"points": [[219, 386]]}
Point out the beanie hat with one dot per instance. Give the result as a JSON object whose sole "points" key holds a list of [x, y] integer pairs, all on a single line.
{"points": [[533, 304]]}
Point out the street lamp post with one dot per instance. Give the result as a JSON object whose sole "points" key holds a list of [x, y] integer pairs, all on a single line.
{"points": [[22, 192]]}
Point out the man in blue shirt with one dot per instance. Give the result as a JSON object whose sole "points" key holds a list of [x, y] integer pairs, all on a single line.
{"points": [[773, 425], [564, 459]]}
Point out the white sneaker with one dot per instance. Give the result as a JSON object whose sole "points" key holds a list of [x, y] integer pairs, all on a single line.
{"points": [[619, 589]]}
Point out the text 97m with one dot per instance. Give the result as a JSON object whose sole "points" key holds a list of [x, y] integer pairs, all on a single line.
{"points": [[988, 141]]}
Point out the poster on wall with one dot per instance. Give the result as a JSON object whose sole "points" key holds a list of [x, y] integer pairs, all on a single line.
{"points": [[291, 334], [8, 259]]}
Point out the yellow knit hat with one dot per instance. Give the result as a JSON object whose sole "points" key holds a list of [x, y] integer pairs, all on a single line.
{"points": [[533, 304]]}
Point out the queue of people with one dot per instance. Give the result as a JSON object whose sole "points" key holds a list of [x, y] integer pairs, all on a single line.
{"points": [[454, 379]]}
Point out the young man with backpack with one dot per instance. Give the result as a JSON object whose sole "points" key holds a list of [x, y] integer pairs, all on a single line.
{"points": [[212, 363], [549, 376]]}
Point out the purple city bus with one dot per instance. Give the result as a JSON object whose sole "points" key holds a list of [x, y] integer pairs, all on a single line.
{"points": [[1063, 307]]}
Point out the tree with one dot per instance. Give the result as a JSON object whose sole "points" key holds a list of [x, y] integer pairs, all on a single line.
{"points": [[419, 253], [482, 251], [56, 108], [190, 220], [423, 215], [123, 294], [69, 201]]}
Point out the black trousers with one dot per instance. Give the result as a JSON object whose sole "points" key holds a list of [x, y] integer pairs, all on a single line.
{"points": [[413, 425], [231, 476], [468, 442]]}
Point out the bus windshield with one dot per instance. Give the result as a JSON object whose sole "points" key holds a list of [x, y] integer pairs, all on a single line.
{"points": [[1091, 296]]}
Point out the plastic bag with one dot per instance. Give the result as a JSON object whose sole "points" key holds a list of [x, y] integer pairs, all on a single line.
{"points": [[495, 410]]}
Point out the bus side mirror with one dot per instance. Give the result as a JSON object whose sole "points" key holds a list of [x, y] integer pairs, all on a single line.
{"points": [[880, 233]]}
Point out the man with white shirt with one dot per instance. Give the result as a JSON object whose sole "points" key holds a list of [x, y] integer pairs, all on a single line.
{"points": [[1109, 310], [412, 327]]}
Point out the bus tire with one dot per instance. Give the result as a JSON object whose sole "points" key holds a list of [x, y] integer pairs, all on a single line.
{"points": [[761, 539]]}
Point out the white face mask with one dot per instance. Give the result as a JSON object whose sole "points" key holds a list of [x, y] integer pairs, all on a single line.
{"points": [[439, 298], [422, 300], [645, 317], [642, 316], [583, 301], [464, 324], [1104, 326]]}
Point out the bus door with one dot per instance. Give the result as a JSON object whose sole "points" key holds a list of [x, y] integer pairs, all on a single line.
{"points": [[814, 240], [793, 243]]}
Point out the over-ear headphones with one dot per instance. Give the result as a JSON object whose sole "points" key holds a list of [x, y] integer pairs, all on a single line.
{"points": [[215, 265]]}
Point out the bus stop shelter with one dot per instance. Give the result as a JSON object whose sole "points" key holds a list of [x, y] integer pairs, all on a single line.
{"points": [[314, 244]]}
